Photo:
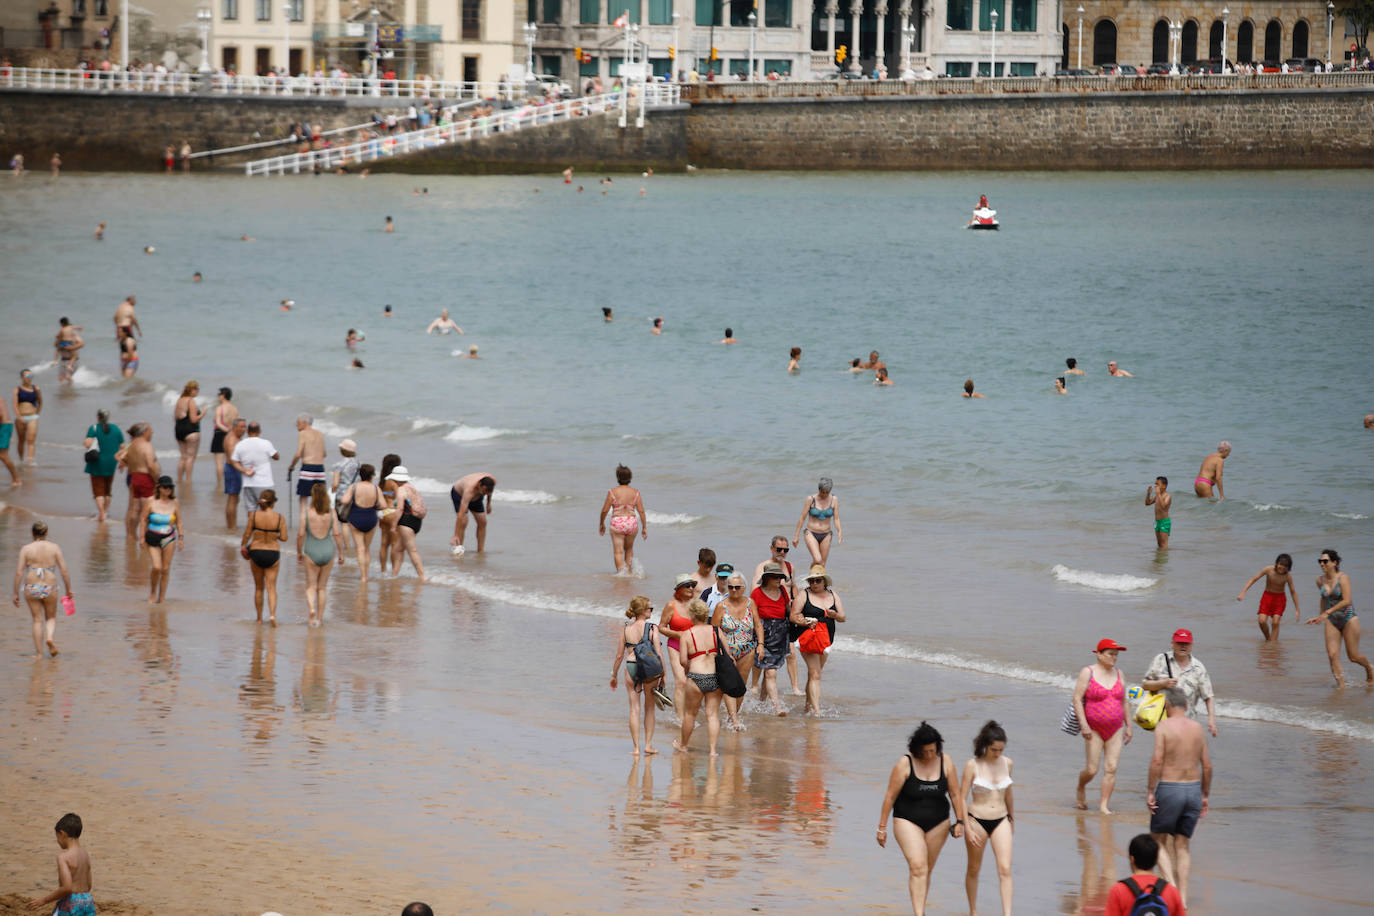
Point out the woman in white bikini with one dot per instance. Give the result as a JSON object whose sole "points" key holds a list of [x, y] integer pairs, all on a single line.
{"points": [[627, 517], [36, 573], [987, 777]]}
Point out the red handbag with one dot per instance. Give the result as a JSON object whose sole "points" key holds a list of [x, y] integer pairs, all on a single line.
{"points": [[815, 640]]}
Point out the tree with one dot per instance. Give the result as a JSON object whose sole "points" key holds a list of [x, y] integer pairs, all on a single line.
{"points": [[1361, 16]]}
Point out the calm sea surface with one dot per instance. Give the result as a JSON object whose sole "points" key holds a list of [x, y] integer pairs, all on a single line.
{"points": [[1003, 536]]}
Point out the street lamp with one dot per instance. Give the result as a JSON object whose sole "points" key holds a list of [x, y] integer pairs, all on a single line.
{"points": [[1175, 34], [531, 33], [677, 48], [1225, 21], [630, 30], [1330, 15], [908, 38], [1080, 36], [753, 31], [992, 63], [373, 48], [203, 19], [286, 38]]}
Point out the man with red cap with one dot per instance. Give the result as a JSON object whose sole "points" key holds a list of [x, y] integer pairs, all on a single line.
{"points": [[1181, 670]]}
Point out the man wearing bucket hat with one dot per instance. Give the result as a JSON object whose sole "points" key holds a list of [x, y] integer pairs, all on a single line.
{"points": [[1181, 670]]}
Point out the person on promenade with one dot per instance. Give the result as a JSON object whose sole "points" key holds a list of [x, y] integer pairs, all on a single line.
{"points": [[6, 434], [233, 480], [345, 472], [1272, 600], [126, 317], [1209, 475], [642, 705], [1179, 783], [252, 457], [36, 571], [261, 547], [28, 405], [1099, 699], [104, 438], [700, 645], [773, 600], [626, 505], [1342, 624], [819, 513], [1073, 369], [778, 554], [315, 549], [158, 529], [410, 513], [987, 783], [186, 416], [968, 390], [1159, 497], [741, 628], [226, 413], [921, 788], [68, 343], [1116, 371], [471, 495], [310, 454], [816, 605], [1143, 854], [73, 894], [365, 501], [443, 325], [140, 461], [128, 353], [675, 620], [1180, 669], [794, 359]]}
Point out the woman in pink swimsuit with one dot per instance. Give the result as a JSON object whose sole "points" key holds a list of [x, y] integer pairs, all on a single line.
{"points": [[1099, 699], [623, 502]]}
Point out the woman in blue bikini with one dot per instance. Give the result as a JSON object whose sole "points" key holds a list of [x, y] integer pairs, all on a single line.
{"points": [[157, 530], [819, 512], [36, 573], [1342, 625]]}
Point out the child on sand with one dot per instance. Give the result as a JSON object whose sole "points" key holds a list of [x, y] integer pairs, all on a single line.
{"points": [[73, 894], [1272, 602]]}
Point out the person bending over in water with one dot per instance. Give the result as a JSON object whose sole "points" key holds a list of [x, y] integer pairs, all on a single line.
{"points": [[1272, 601], [1209, 475], [471, 495], [968, 390]]}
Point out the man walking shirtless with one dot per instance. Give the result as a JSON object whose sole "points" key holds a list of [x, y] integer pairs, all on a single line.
{"points": [[1179, 784]]}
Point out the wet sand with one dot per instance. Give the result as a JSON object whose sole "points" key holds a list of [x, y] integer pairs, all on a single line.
{"points": [[430, 744]]}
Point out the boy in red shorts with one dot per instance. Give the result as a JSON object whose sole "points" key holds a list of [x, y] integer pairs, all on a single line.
{"points": [[1272, 602]]}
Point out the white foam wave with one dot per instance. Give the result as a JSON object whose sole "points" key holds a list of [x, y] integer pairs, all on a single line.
{"points": [[1352, 515], [863, 645], [38, 368], [1111, 582], [465, 433], [671, 518], [430, 485], [334, 430], [635, 436], [1268, 507], [89, 378], [332, 408], [528, 497], [526, 597], [1300, 718], [419, 423], [278, 397], [170, 396]]}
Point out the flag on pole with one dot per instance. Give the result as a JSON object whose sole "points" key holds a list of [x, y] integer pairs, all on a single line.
{"points": [[622, 20]]}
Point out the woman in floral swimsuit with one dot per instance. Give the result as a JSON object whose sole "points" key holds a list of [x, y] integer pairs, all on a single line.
{"points": [[742, 631]]}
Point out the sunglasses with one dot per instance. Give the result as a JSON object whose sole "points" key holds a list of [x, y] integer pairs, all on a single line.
{"points": [[1323, 561], [782, 549], [735, 588]]}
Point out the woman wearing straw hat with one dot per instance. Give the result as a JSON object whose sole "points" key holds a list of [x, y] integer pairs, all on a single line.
{"points": [[816, 605]]}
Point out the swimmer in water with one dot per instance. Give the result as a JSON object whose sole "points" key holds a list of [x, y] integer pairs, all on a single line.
{"points": [[608, 315], [472, 353], [100, 233], [1116, 371], [1073, 367], [880, 377], [1059, 387], [386, 312], [247, 238], [286, 304], [443, 324], [729, 337], [855, 365], [390, 226], [968, 390], [196, 277], [658, 326], [794, 361], [351, 341], [356, 364], [567, 176], [149, 249]]}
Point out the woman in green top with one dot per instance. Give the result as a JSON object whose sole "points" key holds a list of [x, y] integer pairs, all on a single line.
{"points": [[104, 437]]}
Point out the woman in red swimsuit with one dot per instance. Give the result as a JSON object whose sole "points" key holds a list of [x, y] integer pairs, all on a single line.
{"points": [[1099, 698], [676, 620]]}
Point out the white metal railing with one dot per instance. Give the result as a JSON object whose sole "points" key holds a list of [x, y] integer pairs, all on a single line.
{"points": [[1015, 85], [38, 78], [384, 147]]}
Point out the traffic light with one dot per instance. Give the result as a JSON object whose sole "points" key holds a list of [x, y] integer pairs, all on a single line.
{"points": [[672, 52], [841, 53], [577, 55], [715, 55]]}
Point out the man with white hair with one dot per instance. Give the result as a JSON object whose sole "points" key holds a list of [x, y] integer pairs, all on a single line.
{"points": [[1209, 475], [443, 324], [310, 454]]}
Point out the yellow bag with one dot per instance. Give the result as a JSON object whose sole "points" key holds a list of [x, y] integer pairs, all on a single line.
{"points": [[1150, 711]]}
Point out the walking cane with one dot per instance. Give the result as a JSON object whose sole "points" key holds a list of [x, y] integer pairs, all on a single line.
{"points": [[290, 503]]}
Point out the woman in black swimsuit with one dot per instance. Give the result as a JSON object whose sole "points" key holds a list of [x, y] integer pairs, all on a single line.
{"points": [[365, 502], [920, 789], [186, 416], [265, 530], [816, 605]]}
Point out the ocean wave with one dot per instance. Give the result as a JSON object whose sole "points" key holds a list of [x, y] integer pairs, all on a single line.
{"points": [[464, 433], [1351, 515], [170, 396], [1111, 582], [524, 597], [863, 645], [430, 485], [420, 423], [1268, 507], [278, 397], [39, 368], [1313, 720], [671, 518], [635, 436], [528, 497], [334, 430], [332, 408], [89, 378]]}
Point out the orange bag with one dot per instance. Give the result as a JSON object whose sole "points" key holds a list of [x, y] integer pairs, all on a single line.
{"points": [[816, 639]]}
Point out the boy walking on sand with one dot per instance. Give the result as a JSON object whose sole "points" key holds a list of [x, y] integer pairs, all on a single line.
{"points": [[1272, 602], [73, 894], [1159, 497]]}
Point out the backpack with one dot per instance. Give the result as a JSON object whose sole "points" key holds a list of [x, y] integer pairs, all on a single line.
{"points": [[648, 665], [1147, 903], [416, 501]]}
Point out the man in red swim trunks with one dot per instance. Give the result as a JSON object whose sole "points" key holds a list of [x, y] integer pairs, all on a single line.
{"points": [[140, 461]]}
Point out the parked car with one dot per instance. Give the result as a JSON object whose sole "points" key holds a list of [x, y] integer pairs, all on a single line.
{"points": [[1075, 71], [1310, 64], [1269, 66], [1158, 68], [1117, 70]]}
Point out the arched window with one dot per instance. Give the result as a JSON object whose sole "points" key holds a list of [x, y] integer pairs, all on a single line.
{"points": [[1245, 42], [1159, 48], [1214, 48], [1300, 33], [1104, 42], [1273, 40], [1064, 61], [1188, 53]]}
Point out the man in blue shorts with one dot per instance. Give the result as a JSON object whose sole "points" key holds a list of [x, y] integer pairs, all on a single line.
{"points": [[1180, 782], [233, 480]]}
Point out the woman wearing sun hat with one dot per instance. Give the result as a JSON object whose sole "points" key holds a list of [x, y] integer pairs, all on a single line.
{"points": [[816, 605], [1099, 699], [408, 500]]}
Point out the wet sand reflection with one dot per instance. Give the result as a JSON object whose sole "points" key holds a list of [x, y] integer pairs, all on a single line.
{"points": [[1096, 842], [258, 693]]}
